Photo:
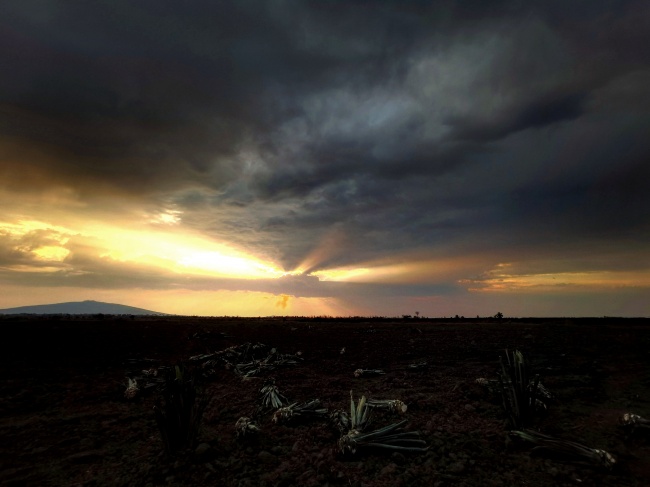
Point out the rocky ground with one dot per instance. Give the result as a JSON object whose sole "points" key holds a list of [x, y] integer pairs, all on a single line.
{"points": [[64, 419]]}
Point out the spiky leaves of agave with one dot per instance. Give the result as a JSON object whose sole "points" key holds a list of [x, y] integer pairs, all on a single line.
{"points": [[270, 397], [359, 414], [368, 372], [567, 450], [341, 420], [392, 405], [519, 390], [634, 422], [180, 409], [297, 411], [132, 388], [245, 426], [417, 365], [390, 437]]}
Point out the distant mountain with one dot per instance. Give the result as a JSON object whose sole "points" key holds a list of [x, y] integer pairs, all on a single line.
{"points": [[79, 308]]}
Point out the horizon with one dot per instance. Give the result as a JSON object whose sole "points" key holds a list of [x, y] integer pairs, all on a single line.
{"points": [[404, 317], [327, 158]]}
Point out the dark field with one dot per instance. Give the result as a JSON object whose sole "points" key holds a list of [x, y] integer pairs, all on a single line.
{"points": [[64, 419]]}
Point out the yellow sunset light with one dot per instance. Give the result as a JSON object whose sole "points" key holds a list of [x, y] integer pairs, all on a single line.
{"points": [[341, 274], [181, 252], [186, 254], [23, 227], [52, 253], [403, 270], [219, 263], [502, 281]]}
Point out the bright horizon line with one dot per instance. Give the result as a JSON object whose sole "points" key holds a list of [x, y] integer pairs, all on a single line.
{"points": [[329, 317]]}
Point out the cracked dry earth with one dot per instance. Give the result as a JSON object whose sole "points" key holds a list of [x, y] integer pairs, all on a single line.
{"points": [[64, 419]]}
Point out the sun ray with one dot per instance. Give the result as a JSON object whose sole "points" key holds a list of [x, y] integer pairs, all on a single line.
{"points": [[183, 253]]}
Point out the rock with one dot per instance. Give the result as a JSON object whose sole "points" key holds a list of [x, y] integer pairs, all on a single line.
{"points": [[89, 456], [266, 457], [398, 458], [304, 478], [456, 467], [202, 448], [469, 408], [69, 441], [87, 443], [203, 451]]}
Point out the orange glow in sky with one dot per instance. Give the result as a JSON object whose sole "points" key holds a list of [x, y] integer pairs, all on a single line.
{"points": [[504, 278], [184, 253], [402, 269]]}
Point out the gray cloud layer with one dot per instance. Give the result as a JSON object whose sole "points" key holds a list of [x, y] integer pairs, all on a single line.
{"points": [[498, 127]]}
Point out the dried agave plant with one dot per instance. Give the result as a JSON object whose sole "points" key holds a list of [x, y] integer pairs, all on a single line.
{"points": [[298, 411], [247, 360], [276, 358], [144, 380], [341, 420], [132, 388], [418, 365], [391, 405], [249, 369], [368, 372], [270, 397], [543, 394], [243, 359], [543, 398], [492, 386], [566, 450], [391, 437], [634, 422], [245, 426]]}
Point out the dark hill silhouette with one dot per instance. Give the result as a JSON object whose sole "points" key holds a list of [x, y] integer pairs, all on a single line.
{"points": [[80, 307]]}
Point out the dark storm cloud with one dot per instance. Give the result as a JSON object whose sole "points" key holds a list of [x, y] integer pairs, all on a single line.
{"points": [[401, 125], [538, 113]]}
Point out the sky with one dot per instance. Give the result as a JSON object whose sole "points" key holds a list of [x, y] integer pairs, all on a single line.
{"points": [[337, 158]]}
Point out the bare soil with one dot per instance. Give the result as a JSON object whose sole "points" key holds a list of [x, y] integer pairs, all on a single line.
{"points": [[64, 419]]}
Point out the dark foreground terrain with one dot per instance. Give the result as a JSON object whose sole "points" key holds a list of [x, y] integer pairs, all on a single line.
{"points": [[64, 419]]}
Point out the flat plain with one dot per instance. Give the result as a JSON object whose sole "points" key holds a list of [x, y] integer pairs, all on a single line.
{"points": [[64, 419]]}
